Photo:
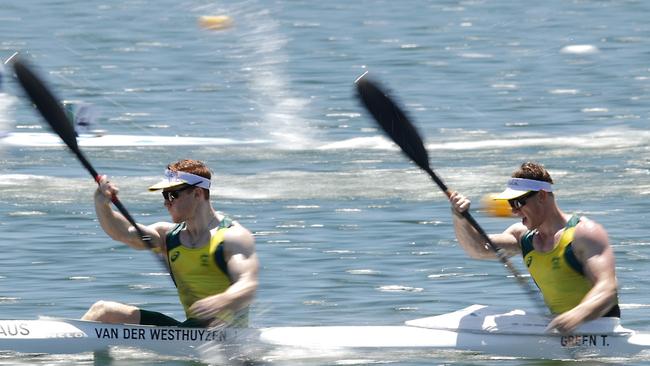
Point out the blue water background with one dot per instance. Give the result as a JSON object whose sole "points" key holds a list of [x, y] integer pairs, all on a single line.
{"points": [[348, 231]]}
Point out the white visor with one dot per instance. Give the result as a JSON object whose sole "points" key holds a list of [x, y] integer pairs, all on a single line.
{"points": [[517, 187], [178, 178]]}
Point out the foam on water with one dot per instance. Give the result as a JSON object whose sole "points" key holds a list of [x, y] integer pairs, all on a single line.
{"points": [[363, 271], [399, 288], [602, 139], [580, 49], [6, 104], [37, 139]]}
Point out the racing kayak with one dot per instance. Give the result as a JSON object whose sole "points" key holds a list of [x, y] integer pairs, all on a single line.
{"points": [[476, 328]]}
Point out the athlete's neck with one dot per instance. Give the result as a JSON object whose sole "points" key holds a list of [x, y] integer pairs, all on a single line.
{"points": [[204, 219], [554, 222]]}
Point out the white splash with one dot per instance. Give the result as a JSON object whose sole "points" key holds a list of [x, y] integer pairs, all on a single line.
{"points": [[564, 91], [264, 60], [363, 271], [399, 288], [599, 139], [595, 110], [580, 49], [81, 278]]}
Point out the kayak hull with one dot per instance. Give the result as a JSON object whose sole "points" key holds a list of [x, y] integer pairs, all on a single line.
{"points": [[552, 346], [476, 328]]}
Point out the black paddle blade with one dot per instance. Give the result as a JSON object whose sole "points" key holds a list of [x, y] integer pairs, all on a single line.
{"points": [[46, 103], [52, 112], [393, 120], [396, 124]]}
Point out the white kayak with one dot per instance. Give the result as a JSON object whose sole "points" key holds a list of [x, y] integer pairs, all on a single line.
{"points": [[42, 139], [476, 328]]}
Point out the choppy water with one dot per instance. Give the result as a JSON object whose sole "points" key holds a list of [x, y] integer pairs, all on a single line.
{"points": [[347, 230]]}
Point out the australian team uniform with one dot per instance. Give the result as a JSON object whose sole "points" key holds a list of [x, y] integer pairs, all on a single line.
{"points": [[198, 273], [558, 273]]}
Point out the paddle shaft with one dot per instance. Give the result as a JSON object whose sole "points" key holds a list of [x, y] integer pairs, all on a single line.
{"points": [[465, 214], [499, 252]]}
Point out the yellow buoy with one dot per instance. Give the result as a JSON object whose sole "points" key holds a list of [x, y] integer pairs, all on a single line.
{"points": [[498, 208], [215, 22]]}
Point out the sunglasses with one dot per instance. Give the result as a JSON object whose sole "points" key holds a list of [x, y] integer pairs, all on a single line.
{"points": [[519, 202], [172, 195]]}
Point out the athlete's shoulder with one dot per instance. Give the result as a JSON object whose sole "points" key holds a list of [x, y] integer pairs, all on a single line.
{"points": [[236, 230], [165, 228], [517, 230], [238, 238], [590, 231]]}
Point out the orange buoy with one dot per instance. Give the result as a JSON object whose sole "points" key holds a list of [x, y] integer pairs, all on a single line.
{"points": [[498, 208], [215, 22]]}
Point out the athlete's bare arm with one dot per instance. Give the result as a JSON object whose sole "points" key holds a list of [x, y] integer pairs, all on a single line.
{"points": [[118, 227], [472, 242]]}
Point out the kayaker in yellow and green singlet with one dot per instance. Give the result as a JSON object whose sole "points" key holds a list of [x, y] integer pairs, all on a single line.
{"points": [[211, 258], [569, 257]]}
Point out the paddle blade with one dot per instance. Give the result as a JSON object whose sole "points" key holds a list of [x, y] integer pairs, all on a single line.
{"points": [[393, 121], [46, 103], [52, 112]]}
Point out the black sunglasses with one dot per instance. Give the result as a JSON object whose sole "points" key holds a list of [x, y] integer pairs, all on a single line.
{"points": [[519, 202], [172, 195]]}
